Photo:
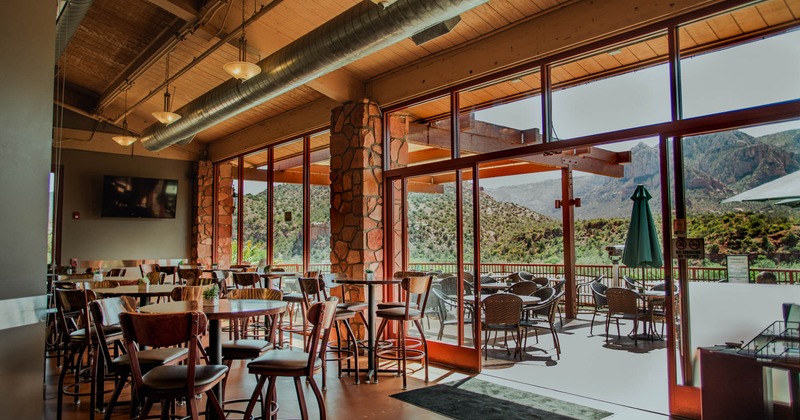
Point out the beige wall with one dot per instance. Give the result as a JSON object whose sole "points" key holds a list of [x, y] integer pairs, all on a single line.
{"points": [[26, 105], [95, 238]]}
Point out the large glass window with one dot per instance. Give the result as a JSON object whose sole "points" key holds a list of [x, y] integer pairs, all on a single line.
{"points": [[751, 74], [420, 133], [320, 205], [502, 115], [255, 217], [602, 92], [288, 205]]}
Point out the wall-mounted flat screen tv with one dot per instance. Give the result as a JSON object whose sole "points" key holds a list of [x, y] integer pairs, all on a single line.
{"points": [[126, 196]]}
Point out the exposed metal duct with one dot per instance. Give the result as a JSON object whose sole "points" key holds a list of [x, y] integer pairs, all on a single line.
{"points": [[356, 33], [68, 21]]}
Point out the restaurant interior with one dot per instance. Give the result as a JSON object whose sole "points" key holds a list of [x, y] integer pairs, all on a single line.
{"points": [[204, 198]]}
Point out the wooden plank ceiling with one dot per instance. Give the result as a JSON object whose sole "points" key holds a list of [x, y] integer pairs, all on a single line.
{"points": [[120, 40]]}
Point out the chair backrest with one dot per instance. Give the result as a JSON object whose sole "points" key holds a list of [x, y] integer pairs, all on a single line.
{"points": [[313, 290], [156, 277], [551, 314], [514, 278], [419, 286], [622, 301], [501, 309], [468, 277], [148, 268], [189, 275], [403, 274], [544, 293], [105, 312], [524, 275], [241, 280], [541, 281], [630, 283], [72, 310], [449, 285], [163, 330], [103, 284], [599, 294], [182, 293], [320, 315], [559, 285], [259, 294], [523, 288], [117, 272], [487, 280]]}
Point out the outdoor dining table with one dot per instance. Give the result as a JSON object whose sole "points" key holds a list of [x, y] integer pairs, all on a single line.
{"points": [[495, 287], [226, 309], [144, 294], [373, 308], [526, 300]]}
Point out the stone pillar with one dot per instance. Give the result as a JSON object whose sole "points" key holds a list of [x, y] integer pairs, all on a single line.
{"points": [[203, 223], [225, 210], [356, 187]]}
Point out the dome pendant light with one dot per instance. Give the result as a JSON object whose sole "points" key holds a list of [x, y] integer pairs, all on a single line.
{"points": [[242, 69], [127, 139], [166, 117]]}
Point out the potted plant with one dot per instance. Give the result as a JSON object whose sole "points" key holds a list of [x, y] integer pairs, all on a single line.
{"points": [[369, 275], [211, 296], [144, 284]]}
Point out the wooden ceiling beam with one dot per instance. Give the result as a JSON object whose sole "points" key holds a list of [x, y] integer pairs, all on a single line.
{"points": [[427, 155], [183, 9]]}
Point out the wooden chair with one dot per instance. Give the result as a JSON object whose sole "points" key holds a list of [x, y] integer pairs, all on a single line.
{"points": [[156, 277], [166, 383], [399, 350], [105, 314], [148, 268], [183, 293], [502, 312], [241, 347], [190, 276], [624, 304], [399, 275], [295, 364], [78, 338], [117, 272], [242, 280], [314, 291]]}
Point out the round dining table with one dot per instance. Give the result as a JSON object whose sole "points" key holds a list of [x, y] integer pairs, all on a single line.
{"points": [[373, 307], [225, 309]]}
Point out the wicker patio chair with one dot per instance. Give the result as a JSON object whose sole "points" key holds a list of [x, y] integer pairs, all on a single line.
{"points": [[502, 312], [624, 304], [600, 301]]}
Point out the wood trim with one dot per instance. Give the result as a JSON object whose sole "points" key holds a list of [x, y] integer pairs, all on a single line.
{"points": [[454, 356]]}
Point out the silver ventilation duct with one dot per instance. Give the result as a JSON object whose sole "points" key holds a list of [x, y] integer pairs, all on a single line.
{"points": [[68, 21], [356, 33]]}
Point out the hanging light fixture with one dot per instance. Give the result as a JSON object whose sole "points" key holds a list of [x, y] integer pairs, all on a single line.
{"points": [[166, 116], [126, 139], [242, 69]]}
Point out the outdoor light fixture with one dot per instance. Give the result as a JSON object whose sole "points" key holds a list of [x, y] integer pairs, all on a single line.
{"points": [[126, 139], [242, 69], [167, 117]]}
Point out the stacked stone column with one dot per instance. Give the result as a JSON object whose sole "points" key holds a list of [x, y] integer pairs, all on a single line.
{"points": [[203, 226], [356, 183], [225, 208]]}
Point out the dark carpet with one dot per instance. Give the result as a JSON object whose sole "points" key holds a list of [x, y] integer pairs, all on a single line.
{"points": [[477, 399]]}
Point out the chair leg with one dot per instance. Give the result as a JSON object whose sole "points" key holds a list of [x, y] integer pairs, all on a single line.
{"points": [[300, 398], [215, 403], [148, 405], [378, 335], [351, 338], [592, 325], [323, 412], [556, 341], [121, 381], [191, 407], [424, 348], [248, 412]]}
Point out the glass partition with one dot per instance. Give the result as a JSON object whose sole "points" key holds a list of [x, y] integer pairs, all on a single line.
{"points": [[420, 133], [320, 204], [255, 217]]}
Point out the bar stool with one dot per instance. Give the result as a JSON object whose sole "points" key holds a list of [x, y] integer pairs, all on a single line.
{"points": [[314, 291], [398, 349], [295, 364]]}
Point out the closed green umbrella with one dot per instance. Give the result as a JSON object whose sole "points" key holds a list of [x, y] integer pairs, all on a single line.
{"points": [[642, 248]]}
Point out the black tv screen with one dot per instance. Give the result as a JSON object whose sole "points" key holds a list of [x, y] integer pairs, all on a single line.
{"points": [[125, 196]]}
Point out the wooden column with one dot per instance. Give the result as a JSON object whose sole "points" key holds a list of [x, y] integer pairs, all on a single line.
{"points": [[568, 225]]}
